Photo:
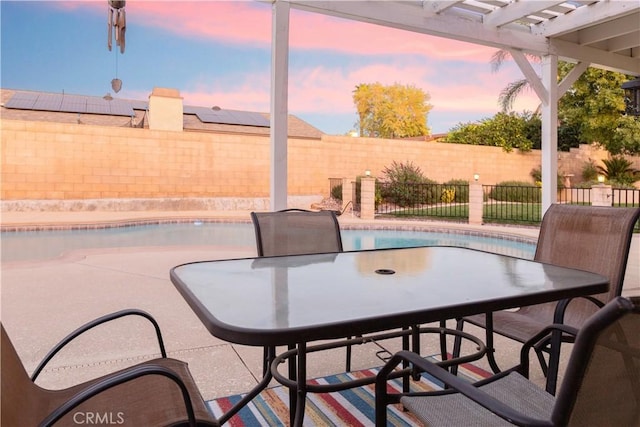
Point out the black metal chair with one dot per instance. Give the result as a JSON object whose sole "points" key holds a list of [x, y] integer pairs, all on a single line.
{"points": [[601, 385], [159, 392], [594, 239]]}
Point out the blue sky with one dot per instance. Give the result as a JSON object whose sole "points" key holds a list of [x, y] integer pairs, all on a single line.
{"points": [[218, 53]]}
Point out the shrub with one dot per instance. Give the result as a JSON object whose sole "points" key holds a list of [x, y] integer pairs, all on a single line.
{"points": [[404, 185], [461, 187], [536, 174], [336, 192], [619, 169], [411, 193], [403, 173], [516, 191], [448, 195], [589, 171]]}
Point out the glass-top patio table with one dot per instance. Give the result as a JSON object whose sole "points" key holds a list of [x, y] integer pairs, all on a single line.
{"points": [[295, 300]]}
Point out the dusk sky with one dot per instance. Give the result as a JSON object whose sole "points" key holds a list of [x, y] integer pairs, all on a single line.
{"points": [[219, 53]]}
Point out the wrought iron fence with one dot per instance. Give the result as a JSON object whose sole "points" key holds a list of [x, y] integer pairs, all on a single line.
{"points": [[505, 204], [625, 197], [411, 200], [512, 204]]}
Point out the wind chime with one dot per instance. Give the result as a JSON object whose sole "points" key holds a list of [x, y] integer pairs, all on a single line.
{"points": [[116, 25]]}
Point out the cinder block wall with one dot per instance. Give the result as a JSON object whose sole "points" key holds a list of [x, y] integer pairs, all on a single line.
{"points": [[67, 161]]}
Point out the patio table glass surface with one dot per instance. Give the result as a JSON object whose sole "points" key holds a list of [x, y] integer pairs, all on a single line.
{"points": [[285, 300]]}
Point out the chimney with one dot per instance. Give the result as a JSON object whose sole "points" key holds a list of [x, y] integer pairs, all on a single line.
{"points": [[165, 109]]}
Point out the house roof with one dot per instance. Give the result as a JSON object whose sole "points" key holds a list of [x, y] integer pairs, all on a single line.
{"points": [[95, 110]]}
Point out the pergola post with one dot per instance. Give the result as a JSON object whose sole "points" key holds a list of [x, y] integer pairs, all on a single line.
{"points": [[279, 104], [549, 132]]}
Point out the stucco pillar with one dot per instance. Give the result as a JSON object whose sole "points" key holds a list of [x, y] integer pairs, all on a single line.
{"points": [[367, 198], [347, 193], [476, 202], [601, 195]]}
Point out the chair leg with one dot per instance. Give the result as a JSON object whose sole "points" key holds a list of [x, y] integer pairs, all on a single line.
{"points": [[457, 344], [348, 361], [443, 341], [491, 350], [266, 359]]}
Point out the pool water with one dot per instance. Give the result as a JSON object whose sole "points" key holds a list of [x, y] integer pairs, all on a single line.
{"points": [[44, 245]]}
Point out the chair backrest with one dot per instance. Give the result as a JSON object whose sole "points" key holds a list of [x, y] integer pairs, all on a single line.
{"points": [[21, 402], [590, 238], [601, 385], [296, 232]]}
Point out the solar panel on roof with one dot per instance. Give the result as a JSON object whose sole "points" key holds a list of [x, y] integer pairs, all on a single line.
{"points": [[74, 104], [139, 105], [22, 101], [232, 117], [48, 102], [120, 108], [69, 104], [98, 107]]}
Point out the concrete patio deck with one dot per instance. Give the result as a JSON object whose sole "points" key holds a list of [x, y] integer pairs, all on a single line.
{"points": [[43, 301]]}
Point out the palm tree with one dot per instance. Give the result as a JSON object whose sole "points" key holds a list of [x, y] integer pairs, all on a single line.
{"points": [[509, 94]]}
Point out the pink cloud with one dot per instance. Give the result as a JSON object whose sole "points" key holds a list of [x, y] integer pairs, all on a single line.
{"points": [[329, 90], [242, 22]]}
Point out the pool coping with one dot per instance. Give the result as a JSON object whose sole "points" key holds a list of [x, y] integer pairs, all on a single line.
{"points": [[50, 221]]}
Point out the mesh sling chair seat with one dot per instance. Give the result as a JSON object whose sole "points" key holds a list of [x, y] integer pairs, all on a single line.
{"points": [[158, 392], [297, 232], [601, 386], [595, 239]]}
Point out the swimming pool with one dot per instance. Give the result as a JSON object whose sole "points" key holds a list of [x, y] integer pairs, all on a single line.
{"points": [[50, 244]]}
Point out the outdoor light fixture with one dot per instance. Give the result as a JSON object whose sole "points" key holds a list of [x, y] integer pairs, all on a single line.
{"points": [[367, 172], [601, 179], [632, 97], [476, 177]]}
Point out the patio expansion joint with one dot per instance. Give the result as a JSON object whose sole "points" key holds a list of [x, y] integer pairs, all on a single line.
{"points": [[132, 360]]}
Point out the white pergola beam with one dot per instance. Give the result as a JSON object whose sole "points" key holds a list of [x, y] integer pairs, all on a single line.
{"points": [[436, 7], [605, 60], [279, 105], [411, 18], [530, 74], [586, 16], [571, 77], [514, 11], [625, 25]]}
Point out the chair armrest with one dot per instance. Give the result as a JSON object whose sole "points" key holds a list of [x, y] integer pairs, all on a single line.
{"points": [[457, 384], [561, 307], [90, 325], [116, 379], [540, 339]]}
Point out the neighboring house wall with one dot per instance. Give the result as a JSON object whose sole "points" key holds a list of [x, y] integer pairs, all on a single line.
{"points": [[66, 161]]}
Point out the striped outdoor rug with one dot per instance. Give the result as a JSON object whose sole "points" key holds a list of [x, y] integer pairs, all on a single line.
{"points": [[354, 407]]}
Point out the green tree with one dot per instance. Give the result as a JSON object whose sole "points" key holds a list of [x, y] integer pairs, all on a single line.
{"points": [[506, 130], [592, 110], [595, 106], [395, 111]]}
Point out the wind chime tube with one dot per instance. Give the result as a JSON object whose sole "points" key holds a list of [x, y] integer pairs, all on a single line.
{"points": [[117, 25]]}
